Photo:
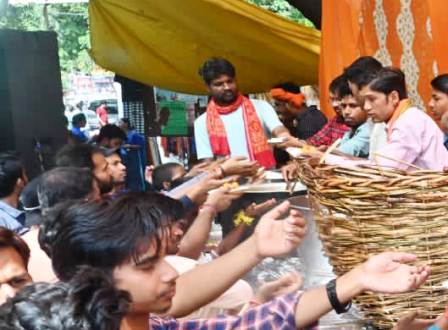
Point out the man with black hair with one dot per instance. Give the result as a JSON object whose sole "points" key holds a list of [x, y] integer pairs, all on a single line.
{"points": [[355, 142], [127, 238], [307, 121], [234, 125], [89, 301], [78, 122], [12, 180], [359, 74], [335, 128], [164, 174], [117, 170], [14, 256], [50, 188], [111, 136], [84, 155]]}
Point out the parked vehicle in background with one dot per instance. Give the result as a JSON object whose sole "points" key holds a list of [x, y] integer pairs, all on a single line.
{"points": [[93, 126]]}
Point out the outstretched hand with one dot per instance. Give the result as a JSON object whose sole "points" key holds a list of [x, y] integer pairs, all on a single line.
{"points": [[289, 172], [221, 198], [240, 166], [411, 321], [254, 209], [275, 236], [389, 272], [288, 283]]}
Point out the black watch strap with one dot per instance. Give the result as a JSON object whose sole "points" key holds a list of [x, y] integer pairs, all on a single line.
{"points": [[333, 297]]}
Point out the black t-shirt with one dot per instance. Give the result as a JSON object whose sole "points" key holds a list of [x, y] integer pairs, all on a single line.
{"points": [[309, 123]]}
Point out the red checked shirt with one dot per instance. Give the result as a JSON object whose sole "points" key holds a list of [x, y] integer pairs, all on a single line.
{"points": [[334, 129], [277, 314]]}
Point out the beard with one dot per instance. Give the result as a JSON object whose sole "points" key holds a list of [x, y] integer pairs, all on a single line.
{"points": [[227, 97], [105, 187]]}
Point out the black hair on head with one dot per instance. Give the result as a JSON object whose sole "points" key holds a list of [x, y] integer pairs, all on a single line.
{"points": [[289, 87], [389, 79], [337, 84], [88, 301], [11, 169], [361, 71], [106, 233], [343, 88], [440, 83], [78, 119], [214, 68], [78, 155], [111, 131], [163, 173]]}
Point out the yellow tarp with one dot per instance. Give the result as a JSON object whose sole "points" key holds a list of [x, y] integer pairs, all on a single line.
{"points": [[163, 42]]}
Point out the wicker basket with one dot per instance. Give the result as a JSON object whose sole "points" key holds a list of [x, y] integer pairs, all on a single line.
{"points": [[360, 212]]}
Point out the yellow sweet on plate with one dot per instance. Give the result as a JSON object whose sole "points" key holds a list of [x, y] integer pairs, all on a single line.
{"points": [[308, 149]]}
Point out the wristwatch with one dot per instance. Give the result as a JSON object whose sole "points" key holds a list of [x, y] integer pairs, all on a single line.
{"points": [[333, 297]]}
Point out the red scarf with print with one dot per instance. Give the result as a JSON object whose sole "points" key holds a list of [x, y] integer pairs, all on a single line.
{"points": [[257, 143]]}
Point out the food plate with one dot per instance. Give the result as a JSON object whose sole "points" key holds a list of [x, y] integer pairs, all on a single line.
{"points": [[294, 152], [273, 175], [269, 187], [276, 140]]}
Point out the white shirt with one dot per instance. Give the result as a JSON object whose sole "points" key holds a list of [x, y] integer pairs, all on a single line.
{"points": [[234, 126]]}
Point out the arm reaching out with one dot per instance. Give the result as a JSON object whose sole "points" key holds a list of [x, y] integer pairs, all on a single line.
{"points": [[272, 237], [387, 272]]}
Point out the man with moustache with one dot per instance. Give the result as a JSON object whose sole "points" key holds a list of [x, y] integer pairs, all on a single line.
{"points": [[233, 124], [84, 155]]}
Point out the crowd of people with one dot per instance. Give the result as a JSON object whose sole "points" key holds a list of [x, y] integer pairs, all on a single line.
{"points": [[81, 249]]}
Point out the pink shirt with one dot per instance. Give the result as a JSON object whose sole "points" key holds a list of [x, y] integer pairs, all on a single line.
{"points": [[415, 139], [102, 113]]}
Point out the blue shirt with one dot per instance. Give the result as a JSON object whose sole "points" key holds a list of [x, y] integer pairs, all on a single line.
{"points": [[135, 161], [79, 135], [234, 126], [12, 218], [357, 143]]}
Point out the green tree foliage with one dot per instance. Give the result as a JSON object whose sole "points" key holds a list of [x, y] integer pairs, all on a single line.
{"points": [[69, 21], [283, 8]]}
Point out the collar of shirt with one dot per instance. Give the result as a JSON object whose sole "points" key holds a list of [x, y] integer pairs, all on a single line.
{"points": [[308, 112], [365, 126], [339, 119], [14, 213]]}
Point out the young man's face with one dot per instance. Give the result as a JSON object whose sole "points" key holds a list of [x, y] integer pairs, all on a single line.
{"points": [[335, 102], [117, 169], [379, 106], [177, 231], [438, 104], [115, 143], [280, 106], [101, 172], [13, 273], [354, 115], [223, 89], [151, 281]]}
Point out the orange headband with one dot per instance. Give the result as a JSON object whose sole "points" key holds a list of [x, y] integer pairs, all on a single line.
{"points": [[295, 100]]}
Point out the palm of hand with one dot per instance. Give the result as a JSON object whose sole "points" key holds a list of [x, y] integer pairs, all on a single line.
{"points": [[272, 238], [383, 274]]}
